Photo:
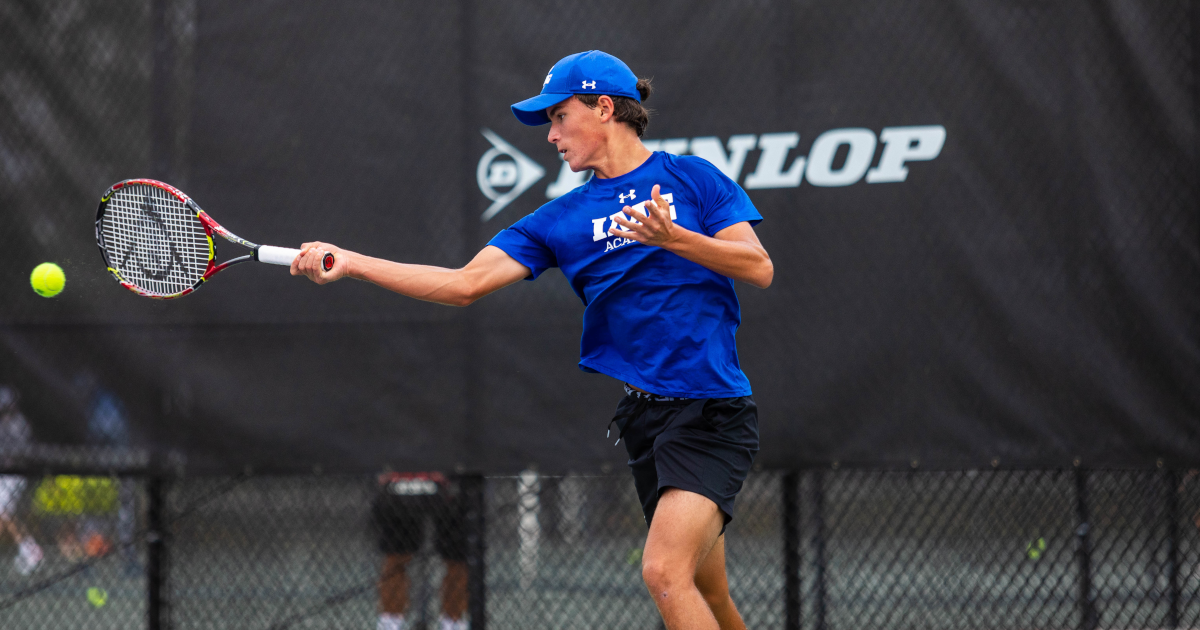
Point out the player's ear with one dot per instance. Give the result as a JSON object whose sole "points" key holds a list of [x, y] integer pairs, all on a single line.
{"points": [[606, 107]]}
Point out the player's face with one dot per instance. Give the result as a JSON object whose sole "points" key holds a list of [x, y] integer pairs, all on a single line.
{"points": [[577, 131]]}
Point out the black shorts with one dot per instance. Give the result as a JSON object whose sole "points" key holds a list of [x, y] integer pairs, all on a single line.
{"points": [[400, 520], [704, 446]]}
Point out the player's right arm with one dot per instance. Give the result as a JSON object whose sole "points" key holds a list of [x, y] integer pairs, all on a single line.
{"points": [[490, 270]]}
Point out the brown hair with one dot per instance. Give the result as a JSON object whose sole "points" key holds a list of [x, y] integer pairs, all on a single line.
{"points": [[625, 109]]}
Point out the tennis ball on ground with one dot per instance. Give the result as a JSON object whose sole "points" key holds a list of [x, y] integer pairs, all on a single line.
{"points": [[1036, 548], [48, 279], [97, 596]]}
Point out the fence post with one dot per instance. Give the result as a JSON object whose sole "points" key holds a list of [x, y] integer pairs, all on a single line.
{"points": [[161, 123], [1087, 604], [819, 547], [157, 608], [1172, 516], [791, 549], [472, 487]]}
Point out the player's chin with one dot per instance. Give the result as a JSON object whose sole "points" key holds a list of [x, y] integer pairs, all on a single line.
{"points": [[576, 165]]}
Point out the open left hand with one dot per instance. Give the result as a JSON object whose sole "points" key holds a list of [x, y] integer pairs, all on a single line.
{"points": [[655, 228]]}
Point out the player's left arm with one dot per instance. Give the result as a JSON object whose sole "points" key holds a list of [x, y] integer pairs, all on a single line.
{"points": [[734, 251]]}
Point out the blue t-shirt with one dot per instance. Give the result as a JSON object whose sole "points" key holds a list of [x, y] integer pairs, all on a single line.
{"points": [[653, 319]]}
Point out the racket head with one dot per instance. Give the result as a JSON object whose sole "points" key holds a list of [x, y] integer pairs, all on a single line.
{"points": [[153, 240]]}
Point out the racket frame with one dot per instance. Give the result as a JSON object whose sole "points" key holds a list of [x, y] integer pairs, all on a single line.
{"points": [[210, 226]]}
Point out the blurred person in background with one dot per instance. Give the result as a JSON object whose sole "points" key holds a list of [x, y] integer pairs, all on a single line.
{"points": [[403, 505], [15, 435], [107, 426]]}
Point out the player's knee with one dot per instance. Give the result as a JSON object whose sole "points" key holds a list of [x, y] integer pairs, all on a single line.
{"points": [[661, 577]]}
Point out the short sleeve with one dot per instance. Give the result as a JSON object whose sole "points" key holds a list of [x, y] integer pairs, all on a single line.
{"points": [[721, 201], [527, 242]]}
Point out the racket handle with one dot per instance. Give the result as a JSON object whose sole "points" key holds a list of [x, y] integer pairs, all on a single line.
{"points": [[284, 256], [275, 255]]}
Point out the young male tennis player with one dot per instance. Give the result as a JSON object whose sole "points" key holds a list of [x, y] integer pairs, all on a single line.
{"points": [[652, 245]]}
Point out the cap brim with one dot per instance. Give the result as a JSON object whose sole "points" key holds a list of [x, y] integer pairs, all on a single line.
{"points": [[532, 111]]}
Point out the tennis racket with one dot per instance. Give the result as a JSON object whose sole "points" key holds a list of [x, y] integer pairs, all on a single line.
{"points": [[157, 242]]}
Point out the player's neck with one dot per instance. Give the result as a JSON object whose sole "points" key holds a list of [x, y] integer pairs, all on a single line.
{"points": [[625, 153]]}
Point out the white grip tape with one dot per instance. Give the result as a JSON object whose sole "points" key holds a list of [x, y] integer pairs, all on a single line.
{"points": [[277, 255]]}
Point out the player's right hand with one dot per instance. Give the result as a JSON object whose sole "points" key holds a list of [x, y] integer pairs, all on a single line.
{"points": [[308, 263]]}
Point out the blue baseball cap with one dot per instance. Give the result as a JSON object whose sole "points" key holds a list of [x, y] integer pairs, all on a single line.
{"points": [[591, 72]]}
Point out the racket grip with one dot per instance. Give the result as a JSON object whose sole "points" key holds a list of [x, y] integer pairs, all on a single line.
{"points": [[275, 255], [284, 256]]}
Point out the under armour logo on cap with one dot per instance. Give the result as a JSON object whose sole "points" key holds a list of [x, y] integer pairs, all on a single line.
{"points": [[589, 85], [547, 81]]}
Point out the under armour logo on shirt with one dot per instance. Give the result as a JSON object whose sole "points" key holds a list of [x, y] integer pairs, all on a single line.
{"points": [[591, 85], [631, 195], [547, 81]]}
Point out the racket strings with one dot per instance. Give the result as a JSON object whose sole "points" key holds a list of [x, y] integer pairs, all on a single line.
{"points": [[154, 241]]}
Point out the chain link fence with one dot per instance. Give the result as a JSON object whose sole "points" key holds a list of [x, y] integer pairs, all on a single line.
{"points": [[812, 549]]}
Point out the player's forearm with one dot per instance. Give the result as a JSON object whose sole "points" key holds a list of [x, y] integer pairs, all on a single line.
{"points": [[736, 259], [423, 282]]}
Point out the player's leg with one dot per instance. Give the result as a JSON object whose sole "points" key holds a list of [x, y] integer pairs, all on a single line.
{"points": [[454, 591], [393, 585], [449, 516], [29, 553], [399, 525], [714, 587], [10, 491], [689, 460], [685, 528]]}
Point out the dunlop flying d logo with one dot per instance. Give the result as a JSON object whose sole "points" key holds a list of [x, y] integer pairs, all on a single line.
{"points": [[156, 265], [836, 158], [504, 173]]}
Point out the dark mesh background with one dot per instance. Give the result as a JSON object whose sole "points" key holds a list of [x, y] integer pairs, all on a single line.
{"points": [[1029, 296]]}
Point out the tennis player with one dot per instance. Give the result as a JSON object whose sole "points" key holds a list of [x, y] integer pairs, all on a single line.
{"points": [[652, 245]]}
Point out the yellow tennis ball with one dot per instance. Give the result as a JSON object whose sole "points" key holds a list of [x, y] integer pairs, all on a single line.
{"points": [[97, 596], [1036, 548], [48, 279]]}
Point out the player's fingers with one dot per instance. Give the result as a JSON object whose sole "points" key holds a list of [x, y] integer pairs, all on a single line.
{"points": [[308, 264], [658, 210], [629, 234], [660, 204], [644, 215], [318, 271], [627, 224]]}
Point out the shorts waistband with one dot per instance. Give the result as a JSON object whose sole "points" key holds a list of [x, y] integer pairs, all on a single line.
{"points": [[651, 397]]}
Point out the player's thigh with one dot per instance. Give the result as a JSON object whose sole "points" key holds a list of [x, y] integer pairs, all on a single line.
{"points": [[684, 529]]}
